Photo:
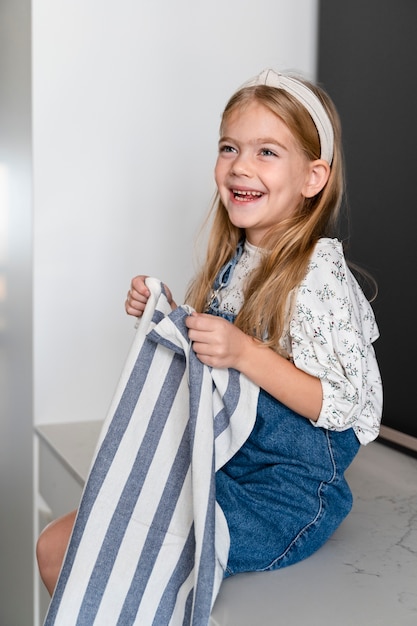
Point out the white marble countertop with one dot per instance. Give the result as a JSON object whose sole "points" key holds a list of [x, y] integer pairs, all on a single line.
{"points": [[366, 575]]}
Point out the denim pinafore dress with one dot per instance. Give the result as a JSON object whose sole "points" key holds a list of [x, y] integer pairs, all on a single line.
{"points": [[284, 492]]}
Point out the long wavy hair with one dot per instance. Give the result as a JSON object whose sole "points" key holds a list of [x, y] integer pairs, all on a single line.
{"points": [[287, 247]]}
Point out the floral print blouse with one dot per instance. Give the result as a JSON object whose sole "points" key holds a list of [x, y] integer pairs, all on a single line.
{"points": [[329, 333]]}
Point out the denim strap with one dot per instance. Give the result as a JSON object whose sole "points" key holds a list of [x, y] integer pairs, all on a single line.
{"points": [[223, 278]]}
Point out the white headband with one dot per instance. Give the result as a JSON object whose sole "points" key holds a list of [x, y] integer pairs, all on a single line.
{"points": [[308, 99]]}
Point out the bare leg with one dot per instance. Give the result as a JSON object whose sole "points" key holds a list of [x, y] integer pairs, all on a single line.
{"points": [[51, 547]]}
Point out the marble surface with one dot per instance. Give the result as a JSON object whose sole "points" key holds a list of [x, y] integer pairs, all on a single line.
{"points": [[366, 575]]}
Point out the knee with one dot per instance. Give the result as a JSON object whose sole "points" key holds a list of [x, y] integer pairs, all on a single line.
{"points": [[51, 547], [42, 550], [47, 559]]}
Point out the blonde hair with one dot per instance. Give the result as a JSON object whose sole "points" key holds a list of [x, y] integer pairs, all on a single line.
{"points": [[289, 244]]}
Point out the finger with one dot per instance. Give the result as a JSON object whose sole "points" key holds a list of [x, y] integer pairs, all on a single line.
{"points": [[135, 305], [190, 321], [201, 335], [138, 286], [209, 359], [139, 294], [200, 321], [134, 296], [206, 348], [130, 310]]}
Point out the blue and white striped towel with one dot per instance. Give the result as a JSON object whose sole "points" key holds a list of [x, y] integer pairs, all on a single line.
{"points": [[150, 543]]}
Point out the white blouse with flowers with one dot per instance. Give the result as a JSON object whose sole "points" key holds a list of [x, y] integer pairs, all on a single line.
{"points": [[329, 334]]}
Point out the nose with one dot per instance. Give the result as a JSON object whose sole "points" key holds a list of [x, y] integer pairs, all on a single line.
{"points": [[242, 165]]}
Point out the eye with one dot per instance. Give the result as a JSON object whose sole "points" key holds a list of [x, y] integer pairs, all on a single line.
{"points": [[227, 149], [268, 153]]}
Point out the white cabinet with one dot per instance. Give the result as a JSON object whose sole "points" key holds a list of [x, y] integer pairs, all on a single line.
{"points": [[64, 453]]}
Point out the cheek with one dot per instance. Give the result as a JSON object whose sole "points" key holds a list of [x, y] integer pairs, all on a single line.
{"points": [[217, 173], [221, 170]]}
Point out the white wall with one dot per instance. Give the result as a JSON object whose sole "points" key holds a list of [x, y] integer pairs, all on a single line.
{"points": [[127, 98]]}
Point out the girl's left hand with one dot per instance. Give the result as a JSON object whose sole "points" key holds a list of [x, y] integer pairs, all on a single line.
{"points": [[216, 342]]}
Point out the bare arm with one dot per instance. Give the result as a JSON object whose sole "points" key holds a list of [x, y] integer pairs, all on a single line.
{"points": [[219, 343]]}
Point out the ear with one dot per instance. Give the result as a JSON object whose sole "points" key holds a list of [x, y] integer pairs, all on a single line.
{"points": [[317, 177]]}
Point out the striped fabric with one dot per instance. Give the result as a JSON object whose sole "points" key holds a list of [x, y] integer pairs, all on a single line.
{"points": [[150, 543]]}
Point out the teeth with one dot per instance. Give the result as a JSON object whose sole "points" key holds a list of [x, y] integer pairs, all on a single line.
{"points": [[255, 194]]}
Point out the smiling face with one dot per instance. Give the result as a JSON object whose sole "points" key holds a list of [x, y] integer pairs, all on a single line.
{"points": [[261, 173]]}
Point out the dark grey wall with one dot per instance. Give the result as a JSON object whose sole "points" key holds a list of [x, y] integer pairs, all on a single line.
{"points": [[368, 63]]}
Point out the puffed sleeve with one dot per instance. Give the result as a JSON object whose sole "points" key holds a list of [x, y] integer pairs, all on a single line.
{"points": [[330, 336]]}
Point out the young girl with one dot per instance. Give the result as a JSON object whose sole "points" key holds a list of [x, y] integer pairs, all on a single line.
{"points": [[276, 301]]}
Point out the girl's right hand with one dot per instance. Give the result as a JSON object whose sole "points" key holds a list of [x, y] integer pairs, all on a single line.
{"points": [[138, 295]]}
